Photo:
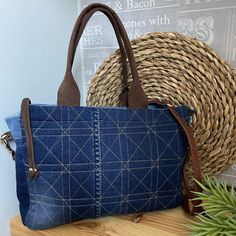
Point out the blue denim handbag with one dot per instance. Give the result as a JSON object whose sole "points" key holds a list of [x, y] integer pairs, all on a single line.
{"points": [[76, 162]]}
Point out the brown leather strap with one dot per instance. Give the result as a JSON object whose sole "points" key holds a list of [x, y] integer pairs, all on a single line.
{"points": [[25, 115], [123, 98], [68, 93], [189, 196]]}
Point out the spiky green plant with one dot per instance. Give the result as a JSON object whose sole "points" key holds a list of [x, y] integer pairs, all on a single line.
{"points": [[219, 203]]}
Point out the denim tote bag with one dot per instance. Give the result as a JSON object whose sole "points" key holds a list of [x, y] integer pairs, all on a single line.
{"points": [[75, 162]]}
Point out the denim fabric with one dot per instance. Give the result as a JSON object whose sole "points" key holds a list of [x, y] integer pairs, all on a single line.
{"points": [[98, 161]]}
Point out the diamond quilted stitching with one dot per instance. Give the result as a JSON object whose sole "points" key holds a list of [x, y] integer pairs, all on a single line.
{"points": [[109, 146], [111, 183], [81, 153], [167, 177], [131, 145], [140, 180], [139, 205], [138, 145], [48, 149], [167, 144], [82, 185]]}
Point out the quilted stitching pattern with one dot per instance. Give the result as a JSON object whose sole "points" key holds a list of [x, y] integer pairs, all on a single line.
{"points": [[102, 161]]}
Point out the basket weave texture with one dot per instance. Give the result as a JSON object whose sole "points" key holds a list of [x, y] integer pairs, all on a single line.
{"points": [[184, 71]]}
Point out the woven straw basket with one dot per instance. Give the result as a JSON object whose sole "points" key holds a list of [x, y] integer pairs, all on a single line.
{"points": [[184, 71]]}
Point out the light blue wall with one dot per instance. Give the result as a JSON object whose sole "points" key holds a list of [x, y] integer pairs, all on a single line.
{"points": [[33, 41]]}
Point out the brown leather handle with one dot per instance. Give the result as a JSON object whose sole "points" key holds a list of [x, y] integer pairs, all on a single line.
{"points": [[123, 98], [68, 93]]}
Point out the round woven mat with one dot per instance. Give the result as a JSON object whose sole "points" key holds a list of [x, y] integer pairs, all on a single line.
{"points": [[184, 71]]}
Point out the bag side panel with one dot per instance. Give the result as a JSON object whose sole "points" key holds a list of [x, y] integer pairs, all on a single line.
{"points": [[14, 124]]}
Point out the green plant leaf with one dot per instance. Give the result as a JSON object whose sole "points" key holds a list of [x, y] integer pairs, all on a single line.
{"points": [[219, 203]]}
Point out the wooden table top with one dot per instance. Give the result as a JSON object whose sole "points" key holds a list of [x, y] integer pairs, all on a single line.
{"points": [[163, 223]]}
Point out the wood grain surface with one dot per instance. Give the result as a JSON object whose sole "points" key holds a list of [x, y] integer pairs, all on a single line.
{"points": [[163, 223]]}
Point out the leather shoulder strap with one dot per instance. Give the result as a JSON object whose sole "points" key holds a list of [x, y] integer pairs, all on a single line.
{"points": [[193, 155]]}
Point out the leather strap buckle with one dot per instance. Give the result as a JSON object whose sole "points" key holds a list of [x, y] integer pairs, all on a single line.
{"points": [[4, 140]]}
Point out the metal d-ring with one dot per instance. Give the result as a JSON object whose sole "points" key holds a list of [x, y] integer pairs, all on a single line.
{"points": [[4, 140]]}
